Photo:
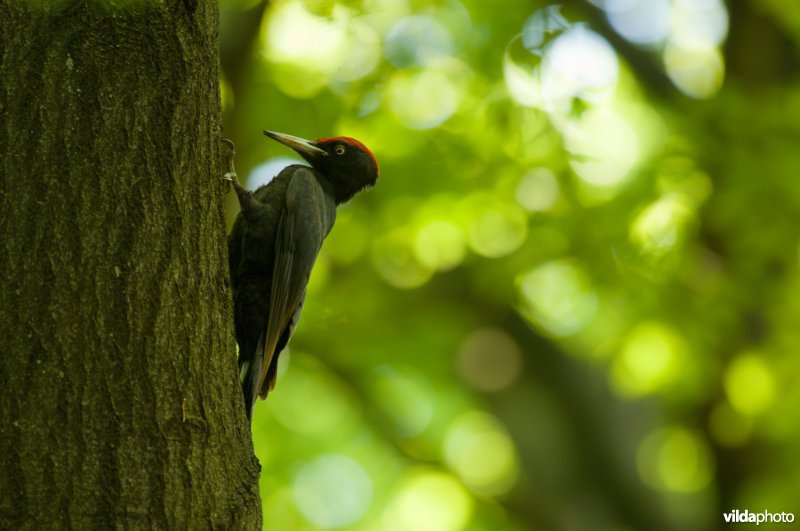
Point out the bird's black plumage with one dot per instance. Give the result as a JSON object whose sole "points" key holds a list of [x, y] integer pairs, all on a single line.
{"points": [[275, 241]]}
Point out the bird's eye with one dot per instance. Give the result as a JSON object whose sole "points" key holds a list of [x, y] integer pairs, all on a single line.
{"points": [[340, 149]]}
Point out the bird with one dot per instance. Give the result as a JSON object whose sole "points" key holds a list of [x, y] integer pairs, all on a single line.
{"points": [[274, 243]]}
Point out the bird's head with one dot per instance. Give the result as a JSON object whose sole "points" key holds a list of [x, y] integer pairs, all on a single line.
{"points": [[347, 163]]}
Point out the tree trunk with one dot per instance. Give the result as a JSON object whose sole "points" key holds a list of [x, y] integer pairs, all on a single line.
{"points": [[119, 400]]}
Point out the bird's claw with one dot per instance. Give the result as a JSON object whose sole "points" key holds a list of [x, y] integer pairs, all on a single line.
{"points": [[230, 175]]}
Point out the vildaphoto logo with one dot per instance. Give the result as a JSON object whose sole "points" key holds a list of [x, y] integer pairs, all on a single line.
{"points": [[746, 517]]}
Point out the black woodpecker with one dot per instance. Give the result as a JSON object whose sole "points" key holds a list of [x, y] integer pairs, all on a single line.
{"points": [[275, 241]]}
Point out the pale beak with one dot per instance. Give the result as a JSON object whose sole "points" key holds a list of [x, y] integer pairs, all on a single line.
{"points": [[304, 147]]}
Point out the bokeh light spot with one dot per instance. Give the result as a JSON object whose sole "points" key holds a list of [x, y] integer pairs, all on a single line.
{"points": [[662, 224], [307, 51], [698, 72], [360, 53], [422, 99], [495, 228], [297, 81], [293, 34], [417, 40], [489, 359], [543, 27], [332, 491], [649, 361], [302, 386], [481, 452], [692, 57], [605, 147], [538, 190], [640, 21], [440, 245], [406, 396], [749, 385], [699, 23], [303, 45], [396, 262], [428, 501], [675, 459], [579, 64], [554, 62], [558, 297]]}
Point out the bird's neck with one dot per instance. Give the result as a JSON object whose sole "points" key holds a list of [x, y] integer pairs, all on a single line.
{"points": [[340, 187]]}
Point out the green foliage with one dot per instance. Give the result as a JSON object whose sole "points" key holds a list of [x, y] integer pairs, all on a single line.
{"points": [[571, 299]]}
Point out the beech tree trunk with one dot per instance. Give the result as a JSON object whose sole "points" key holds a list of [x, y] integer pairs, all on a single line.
{"points": [[120, 406]]}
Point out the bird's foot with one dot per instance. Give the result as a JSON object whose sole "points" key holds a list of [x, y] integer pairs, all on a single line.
{"points": [[246, 200], [230, 175]]}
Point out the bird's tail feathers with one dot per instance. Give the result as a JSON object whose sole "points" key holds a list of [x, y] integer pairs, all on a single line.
{"points": [[249, 375], [243, 370]]}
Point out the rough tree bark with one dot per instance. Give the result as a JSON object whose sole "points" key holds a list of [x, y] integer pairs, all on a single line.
{"points": [[119, 400]]}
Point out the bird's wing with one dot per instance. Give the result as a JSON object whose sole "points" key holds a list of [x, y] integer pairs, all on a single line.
{"points": [[303, 225]]}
